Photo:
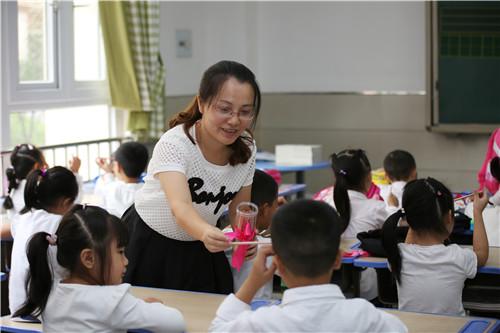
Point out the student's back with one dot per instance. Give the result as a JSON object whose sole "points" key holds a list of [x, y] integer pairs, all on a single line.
{"points": [[306, 238]]}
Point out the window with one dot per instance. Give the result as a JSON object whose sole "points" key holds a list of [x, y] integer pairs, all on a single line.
{"points": [[53, 73]]}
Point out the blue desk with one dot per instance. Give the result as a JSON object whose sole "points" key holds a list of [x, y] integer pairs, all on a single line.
{"points": [[286, 190]]}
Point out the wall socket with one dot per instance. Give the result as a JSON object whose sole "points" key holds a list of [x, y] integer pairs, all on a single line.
{"points": [[183, 43]]}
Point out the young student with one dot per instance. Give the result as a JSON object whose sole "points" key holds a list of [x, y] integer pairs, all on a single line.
{"points": [[122, 178], [400, 168], [430, 276], [353, 178], [48, 195], [265, 196], [90, 245], [306, 238], [24, 158]]}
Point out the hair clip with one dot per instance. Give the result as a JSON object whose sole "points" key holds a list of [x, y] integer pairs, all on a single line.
{"points": [[343, 172], [52, 239], [438, 193], [44, 172]]}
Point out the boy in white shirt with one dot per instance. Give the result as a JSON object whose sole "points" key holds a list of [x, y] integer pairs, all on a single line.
{"points": [[117, 187], [400, 168], [306, 238]]}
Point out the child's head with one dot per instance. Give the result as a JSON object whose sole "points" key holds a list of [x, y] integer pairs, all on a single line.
{"points": [[53, 190], [495, 167], [265, 196], [399, 165], [24, 158], [306, 238], [428, 209], [352, 171], [90, 245], [131, 158]]}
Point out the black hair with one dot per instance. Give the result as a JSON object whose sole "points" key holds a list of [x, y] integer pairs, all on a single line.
{"points": [[44, 188], [399, 164], [211, 83], [495, 167], [351, 167], [264, 188], [83, 227], [306, 237], [426, 203], [133, 158], [23, 159]]}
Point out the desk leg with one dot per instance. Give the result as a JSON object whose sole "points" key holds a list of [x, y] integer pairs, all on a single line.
{"points": [[300, 179]]}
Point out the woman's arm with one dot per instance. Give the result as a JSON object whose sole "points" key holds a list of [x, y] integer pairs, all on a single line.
{"points": [[174, 185]]}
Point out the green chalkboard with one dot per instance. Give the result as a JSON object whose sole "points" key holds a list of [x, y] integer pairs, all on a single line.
{"points": [[468, 81]]}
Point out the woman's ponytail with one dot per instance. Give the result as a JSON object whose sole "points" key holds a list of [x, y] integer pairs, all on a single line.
{"points": [[39, 281], [390, 243]]}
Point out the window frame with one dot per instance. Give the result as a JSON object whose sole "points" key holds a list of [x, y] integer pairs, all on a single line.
{"points": [[65, 91]]}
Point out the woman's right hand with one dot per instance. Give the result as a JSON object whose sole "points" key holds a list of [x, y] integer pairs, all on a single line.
{"points": [[214, 239]]}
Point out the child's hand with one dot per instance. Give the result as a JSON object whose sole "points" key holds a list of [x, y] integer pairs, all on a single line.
{"points": [[480, 201], [392, 200], [260, 273], [281, 201], [251, 252], [74, 164], [152, 300], [104, 164]]}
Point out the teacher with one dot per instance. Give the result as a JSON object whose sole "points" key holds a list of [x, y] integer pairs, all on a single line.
{"points": [[203, 164]]}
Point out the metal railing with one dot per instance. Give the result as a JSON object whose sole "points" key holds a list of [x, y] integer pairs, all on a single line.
{"points": [[60, 154]]}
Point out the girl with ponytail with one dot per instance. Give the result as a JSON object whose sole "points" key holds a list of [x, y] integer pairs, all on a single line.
{"points": [[48, 195], [430, 276], [353, 179], [90, 246]]}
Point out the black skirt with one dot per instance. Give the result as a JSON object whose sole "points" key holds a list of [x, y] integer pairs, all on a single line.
{"points": [[161, 262]]}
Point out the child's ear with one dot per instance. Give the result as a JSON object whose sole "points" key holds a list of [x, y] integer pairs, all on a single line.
{"points": [[199, 103], [279, 265], [338, 260], [67, 203], [87, 258]]}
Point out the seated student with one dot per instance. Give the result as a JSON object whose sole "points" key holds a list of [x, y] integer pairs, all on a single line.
{"points": [[118, 185], [353, 178], [48, 195], [306, 239], [430, 276], [91, 246], [265, 196], [400, 168]]}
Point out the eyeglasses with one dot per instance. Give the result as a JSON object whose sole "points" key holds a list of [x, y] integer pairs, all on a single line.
{"points": [[228, 113]]}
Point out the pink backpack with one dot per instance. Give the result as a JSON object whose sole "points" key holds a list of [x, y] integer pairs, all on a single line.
{"points": [[484, 176]]}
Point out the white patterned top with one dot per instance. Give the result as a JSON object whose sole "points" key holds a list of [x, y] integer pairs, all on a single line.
{"points": [[212, 186]]}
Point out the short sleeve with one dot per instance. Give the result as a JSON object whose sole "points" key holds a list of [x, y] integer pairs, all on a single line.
{"points": [[251, 167], [168, 155], [469, 262]]}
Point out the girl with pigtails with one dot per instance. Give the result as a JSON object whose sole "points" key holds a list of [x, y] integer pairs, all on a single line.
{"points": [[48, 195], [430, 276]]}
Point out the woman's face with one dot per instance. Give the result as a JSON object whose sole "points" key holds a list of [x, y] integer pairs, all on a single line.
{"points": [[229, 113]]}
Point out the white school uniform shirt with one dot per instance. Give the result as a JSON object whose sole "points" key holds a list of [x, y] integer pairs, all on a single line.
{"points": [[266, 291], [91, 308], [212, 187], [117, 196], [318, 308], [22, 229], [396, 188], [432, 277], [366, 214]]}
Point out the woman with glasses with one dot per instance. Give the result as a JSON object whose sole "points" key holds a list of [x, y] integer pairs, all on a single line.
{"points": [[201, 166]]}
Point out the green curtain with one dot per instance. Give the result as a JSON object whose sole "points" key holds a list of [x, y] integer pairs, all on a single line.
{"points": [[137, 80]]}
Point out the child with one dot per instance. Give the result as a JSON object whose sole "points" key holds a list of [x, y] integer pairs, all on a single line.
{"points": [[90, 245], [400, 168], [48, 195], [118, 185], [265, 196], [430, 276], [353, 178], [24, 158], [495, 172], [306, 238]]}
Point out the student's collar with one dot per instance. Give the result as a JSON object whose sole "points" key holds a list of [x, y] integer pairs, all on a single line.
{"points": [[307, 293], [356, 194]]}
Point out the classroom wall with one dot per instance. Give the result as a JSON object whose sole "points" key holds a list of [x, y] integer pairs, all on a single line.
{"points": [[336, 48]]}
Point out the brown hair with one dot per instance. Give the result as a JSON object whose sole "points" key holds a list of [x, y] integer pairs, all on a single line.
{"points": [[212, 81]]}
